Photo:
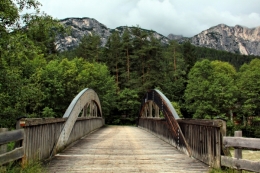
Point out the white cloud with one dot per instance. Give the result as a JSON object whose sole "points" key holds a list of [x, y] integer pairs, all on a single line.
{"points": [[186, 17]]}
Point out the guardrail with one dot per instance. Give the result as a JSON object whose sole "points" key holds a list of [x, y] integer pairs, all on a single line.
{"points": [[204, 137], [15, 154], [41, 134], [239, 143]]}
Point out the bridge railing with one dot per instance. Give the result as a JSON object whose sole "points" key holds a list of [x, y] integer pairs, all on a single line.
{"points": [[15, 154], [204, 137], [41, 134]]}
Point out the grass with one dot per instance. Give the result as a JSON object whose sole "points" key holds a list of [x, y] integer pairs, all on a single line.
{"points": [[249, 155], [33, 167]]}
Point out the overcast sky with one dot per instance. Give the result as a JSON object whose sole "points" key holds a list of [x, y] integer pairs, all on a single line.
{"points": [[180, 17]]}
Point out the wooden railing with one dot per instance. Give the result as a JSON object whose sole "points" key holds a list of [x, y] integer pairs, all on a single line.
{"points": [[42, 134], [15, 154], [238, 142], [204, 137]]}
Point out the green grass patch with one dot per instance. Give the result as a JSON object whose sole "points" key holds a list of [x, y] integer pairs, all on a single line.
{"points": [[32, 167]]}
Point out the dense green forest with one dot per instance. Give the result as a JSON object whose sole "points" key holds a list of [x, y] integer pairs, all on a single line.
{"points": [[38, 81]]}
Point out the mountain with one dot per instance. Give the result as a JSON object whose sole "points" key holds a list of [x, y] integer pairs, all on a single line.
{"points": [[236, 39], [84, 26]]}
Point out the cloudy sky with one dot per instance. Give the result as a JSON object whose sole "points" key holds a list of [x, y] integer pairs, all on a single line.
{"points": [[180, 17]]}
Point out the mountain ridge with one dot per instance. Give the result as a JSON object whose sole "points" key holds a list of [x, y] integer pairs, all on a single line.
{"points": [[237, 39]]}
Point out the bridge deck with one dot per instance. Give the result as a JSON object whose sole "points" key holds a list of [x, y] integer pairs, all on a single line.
{"points": [[123, 149]]}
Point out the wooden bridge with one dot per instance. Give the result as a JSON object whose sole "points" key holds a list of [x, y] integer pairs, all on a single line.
{"points": [[123, 149], [161, 142]]}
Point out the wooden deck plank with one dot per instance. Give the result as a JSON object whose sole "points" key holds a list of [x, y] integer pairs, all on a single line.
{"points": [[123, 149]]}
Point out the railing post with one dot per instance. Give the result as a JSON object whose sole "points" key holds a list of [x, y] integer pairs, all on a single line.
{"points": [[3, 148], [150, 109], [157, 112], [238, 151]]}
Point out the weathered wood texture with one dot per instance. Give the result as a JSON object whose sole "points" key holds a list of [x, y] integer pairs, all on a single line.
{"points": [[240, 164], [17, 153], [203, 137], [13, 155], [10, 136], [249, 143], [3, 147], [121, 149], [238, 142], [159, 127], [42, 134]]}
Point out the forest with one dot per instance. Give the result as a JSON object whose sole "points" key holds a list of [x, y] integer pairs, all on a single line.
{"points": [[37, 81]]}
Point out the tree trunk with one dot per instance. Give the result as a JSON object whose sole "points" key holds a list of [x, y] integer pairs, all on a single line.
{"points": [[128, 65], [174, 63]]}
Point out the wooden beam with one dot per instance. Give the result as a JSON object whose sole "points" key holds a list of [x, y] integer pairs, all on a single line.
{"points": [[211, 123], [39, 121], [240, 164], [13, 155], [3, 148], [240, 142], [11, 136]]}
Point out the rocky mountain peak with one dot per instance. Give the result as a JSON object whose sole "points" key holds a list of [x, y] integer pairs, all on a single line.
{"points": [[80, 27], [237, 39], [85, 26]]}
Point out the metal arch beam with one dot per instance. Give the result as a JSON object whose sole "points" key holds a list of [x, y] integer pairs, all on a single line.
{"points": [[163, 102], [85, 97], [170, 115]]}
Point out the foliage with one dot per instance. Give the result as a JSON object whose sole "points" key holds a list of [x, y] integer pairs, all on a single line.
{"points": [[249, 87], [89, 48], [211, 89], [177, 108], [37, 81]]}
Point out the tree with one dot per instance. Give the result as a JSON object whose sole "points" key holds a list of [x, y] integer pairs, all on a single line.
{"points": [[63, 80], [89, 48], [128, 102], [249, 87], [114, 58], [189, 55], [211, 89], [174, 71], [127, 52], [43, 31]]}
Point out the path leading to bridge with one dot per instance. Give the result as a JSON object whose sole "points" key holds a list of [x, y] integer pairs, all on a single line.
{"points": [[121, 149]]}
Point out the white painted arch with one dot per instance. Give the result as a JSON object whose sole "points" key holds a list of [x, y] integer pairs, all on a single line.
{"points": [[87, 98]]}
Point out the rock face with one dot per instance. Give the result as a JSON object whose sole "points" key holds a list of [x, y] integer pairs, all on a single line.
{"points": [[236, 39], [79, 28], [85, 26]]}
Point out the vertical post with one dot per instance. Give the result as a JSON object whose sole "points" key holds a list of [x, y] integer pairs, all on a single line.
{"points": [[150, 109], [238, 151], [3, 148], [91, 109], [145, 111], [157, 111]]}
